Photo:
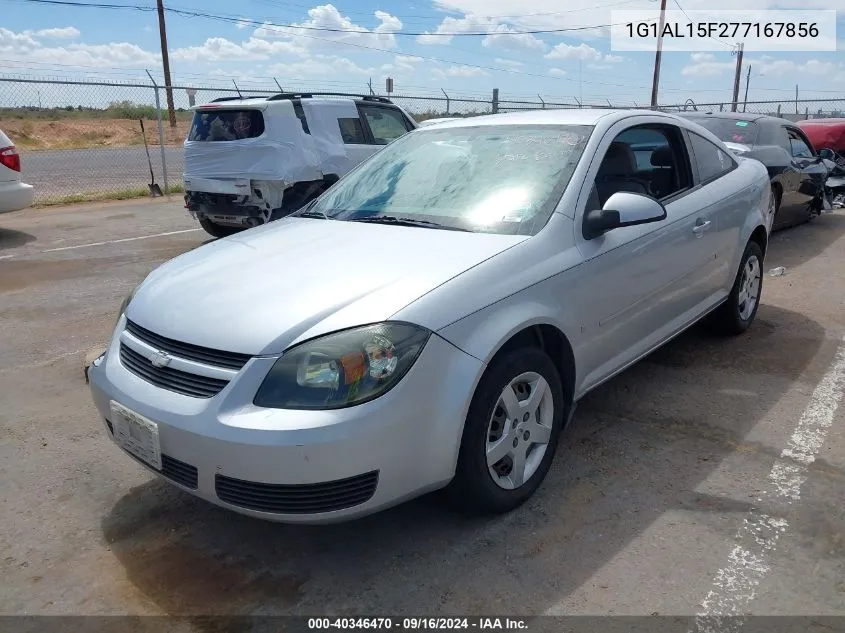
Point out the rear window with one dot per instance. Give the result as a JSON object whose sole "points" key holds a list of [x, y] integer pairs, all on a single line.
{"points": [[226, 125], [730, 130]]}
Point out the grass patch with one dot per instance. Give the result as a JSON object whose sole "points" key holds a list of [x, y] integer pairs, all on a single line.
{"points": [[126, 194]]}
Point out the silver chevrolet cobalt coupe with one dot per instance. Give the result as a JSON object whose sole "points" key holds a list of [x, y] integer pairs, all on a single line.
{"points": [[431, 320]]}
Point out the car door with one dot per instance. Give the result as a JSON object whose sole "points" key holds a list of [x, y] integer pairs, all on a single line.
{"points": [[800, 178], [383, 123], [642, 283], [356, 140], [811, 171]]}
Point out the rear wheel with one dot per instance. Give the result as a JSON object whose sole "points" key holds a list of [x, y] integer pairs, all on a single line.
{"points": [[511, 433], [736, 314], [217, 230]]}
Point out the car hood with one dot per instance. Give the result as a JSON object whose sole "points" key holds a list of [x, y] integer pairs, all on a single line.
{"points": [[262, 290]]}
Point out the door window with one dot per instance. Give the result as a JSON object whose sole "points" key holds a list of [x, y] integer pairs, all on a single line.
{"points": [[352, 131], [645, 159], [386, 124], [711, 160], [798, 146]]}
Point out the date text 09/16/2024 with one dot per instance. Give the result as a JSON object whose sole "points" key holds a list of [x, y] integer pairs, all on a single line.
{"points": [[418, 623]]}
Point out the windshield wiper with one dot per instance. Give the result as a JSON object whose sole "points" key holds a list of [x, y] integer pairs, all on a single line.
{"points": [[305, 212], [391, 219], [310, 214]]}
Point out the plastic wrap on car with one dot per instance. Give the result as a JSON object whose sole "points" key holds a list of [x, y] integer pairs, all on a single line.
{"points": [[325, 132], [284, 152]]}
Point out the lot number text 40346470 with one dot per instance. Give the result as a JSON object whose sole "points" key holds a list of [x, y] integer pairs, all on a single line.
{"points": [[419, 623]]}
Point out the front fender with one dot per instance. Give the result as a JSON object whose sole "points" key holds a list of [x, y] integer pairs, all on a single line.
{"points": [[483, 333]]}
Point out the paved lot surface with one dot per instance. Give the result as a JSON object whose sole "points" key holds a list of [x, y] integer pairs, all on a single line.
{"points": [[670, 490], [59, 173]]}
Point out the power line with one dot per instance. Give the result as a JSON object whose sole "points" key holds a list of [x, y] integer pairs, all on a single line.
{"points": [[276, 28], [191, 13]]}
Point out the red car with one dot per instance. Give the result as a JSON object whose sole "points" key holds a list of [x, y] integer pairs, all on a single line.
{"points": [[825, 133]]}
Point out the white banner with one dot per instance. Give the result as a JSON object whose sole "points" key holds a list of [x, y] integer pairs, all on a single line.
{"points": [[719, 30]]}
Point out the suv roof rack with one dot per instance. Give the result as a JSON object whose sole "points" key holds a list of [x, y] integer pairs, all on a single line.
{"points": [[308, 95], [219, 99]]}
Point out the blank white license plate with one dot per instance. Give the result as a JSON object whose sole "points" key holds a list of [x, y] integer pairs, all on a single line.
{"points": [[136, 434]]}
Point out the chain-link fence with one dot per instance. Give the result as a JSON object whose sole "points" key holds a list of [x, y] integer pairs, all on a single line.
{"points": [[80, 140]]}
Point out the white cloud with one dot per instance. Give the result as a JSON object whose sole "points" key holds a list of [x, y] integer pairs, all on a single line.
{"points": [[508, 63], [327, 16], [556, 72], [614, 59], [459, 71], [321, 65], [243, 23], [467, 24], [767, 65], [63, 33], [24, 47], [582, 51], [221, 49], [705, 65], [505, 38]]}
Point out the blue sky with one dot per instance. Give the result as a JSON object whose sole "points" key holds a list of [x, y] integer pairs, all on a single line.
{"points": [[119, 44]]}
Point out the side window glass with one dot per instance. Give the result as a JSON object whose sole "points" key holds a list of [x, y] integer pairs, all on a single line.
{"points": [[712, 161], [798, 148], [385, 124], [352, 131], [642, 160]]}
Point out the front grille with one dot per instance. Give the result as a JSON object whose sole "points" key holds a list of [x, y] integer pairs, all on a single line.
{"points": [[171, 379], [218, 358], [179, 471], [297, 499]]}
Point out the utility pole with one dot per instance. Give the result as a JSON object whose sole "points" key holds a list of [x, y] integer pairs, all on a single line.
{"points": [[747, 79], [168, 86], [658, 54], [737, 76]]}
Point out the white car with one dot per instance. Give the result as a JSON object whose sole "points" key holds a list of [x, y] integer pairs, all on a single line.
{"points": [[252, 160], [14, 194]]}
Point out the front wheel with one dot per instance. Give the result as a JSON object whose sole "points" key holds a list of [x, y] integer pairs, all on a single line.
{"points": [[736, 314], [511, 433], [217, 230]]}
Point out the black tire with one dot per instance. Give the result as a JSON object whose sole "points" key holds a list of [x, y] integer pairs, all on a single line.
{"points": [[728, 319], [218, 230], [776, 195], [473, 490]]}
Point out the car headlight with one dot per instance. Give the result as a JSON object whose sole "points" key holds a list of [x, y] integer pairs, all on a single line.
{"points": [[125, 305], [342, 369]]}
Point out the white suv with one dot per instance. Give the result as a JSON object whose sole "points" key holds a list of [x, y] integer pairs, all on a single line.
{"points": [[255, 159]]}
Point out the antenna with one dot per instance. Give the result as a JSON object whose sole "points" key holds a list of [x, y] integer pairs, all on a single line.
{"points": [[238, 89], [279, 85]]}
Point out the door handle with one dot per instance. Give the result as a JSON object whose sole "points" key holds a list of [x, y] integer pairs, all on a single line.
{"points": [[700, 226]]}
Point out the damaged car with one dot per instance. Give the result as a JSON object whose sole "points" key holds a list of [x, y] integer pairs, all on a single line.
{"points": [[796, 171], [250, 160]]}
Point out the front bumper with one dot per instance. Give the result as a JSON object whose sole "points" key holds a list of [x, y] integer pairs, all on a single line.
{"points": [[400, 445]]}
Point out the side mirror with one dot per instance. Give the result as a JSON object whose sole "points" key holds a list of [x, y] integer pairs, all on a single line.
{"points": [[622, 209], [827, 153]]}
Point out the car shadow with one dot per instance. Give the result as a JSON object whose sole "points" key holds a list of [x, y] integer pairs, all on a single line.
{"points": [[639, 446], [10, 238], [794, 246]]}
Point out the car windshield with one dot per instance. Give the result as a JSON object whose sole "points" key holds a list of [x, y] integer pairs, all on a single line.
{"points": [[730, 130], [494, 179]]}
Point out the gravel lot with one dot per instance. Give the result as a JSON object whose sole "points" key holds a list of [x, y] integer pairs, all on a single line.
{"points": [[670, 493]]}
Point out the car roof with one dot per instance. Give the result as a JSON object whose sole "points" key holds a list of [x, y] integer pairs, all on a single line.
{"points": [[292, 96], [566, 116], [736, 116]]}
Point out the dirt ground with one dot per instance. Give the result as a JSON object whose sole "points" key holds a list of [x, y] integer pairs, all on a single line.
{"points": [[665, 496], [36, 134]]}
